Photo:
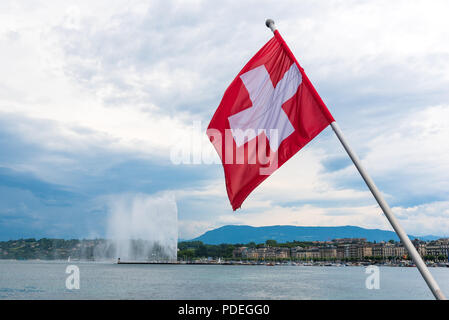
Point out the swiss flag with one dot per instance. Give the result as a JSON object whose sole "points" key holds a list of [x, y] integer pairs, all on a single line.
{"points": [[268, 113]]}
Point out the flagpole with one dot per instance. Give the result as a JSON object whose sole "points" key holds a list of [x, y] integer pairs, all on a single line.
{"points": [[433, 285]]}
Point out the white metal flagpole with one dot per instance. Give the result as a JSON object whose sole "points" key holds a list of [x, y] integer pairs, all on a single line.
{"points": [[433, 285]]}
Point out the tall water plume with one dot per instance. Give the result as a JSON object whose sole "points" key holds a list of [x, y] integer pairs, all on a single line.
{"points": [[143, 227]]}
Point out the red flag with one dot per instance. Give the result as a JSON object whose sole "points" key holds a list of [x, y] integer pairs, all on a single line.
{"points": [[268, 113]]}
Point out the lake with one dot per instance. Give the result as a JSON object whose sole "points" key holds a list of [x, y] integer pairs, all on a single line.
{"points": [[106, 280]]}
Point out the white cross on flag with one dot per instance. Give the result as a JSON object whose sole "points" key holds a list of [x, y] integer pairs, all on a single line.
{"points": [[268, 113]]}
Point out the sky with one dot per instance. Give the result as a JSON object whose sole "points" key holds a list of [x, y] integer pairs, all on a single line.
{"points": [[95, 96]]}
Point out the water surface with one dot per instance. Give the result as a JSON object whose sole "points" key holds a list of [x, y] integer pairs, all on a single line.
{"points": [[46, 280]]}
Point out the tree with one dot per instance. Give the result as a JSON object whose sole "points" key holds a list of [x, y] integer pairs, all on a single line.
{"points": [[271, 243], [252, 244]]}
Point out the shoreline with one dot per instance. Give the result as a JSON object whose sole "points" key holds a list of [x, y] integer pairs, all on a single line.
{"points": [[405, 264], [300, 264]]}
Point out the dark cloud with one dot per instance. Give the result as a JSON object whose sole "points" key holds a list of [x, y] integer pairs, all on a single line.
{"points": [[32, 205]]}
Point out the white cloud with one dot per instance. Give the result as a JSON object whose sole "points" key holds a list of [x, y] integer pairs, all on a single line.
{"points": [[189, 229], [410, 154], [140, 70], [417, 145], [304, 178], [425, 219]]}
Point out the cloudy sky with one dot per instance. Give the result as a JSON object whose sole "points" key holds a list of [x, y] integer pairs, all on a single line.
{"points": [[95, 95]]}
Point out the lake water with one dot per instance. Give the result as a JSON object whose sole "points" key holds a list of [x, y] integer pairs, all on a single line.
{"points": [[47, 280]]}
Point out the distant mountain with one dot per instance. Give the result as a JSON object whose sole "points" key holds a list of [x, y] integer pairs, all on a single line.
{"points": [[245, 234]]}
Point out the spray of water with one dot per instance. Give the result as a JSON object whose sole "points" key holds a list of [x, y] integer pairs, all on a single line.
{"points": [[143, 227]]}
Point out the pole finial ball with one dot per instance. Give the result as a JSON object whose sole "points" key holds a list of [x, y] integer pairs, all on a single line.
{"points": [[270, 24]]}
